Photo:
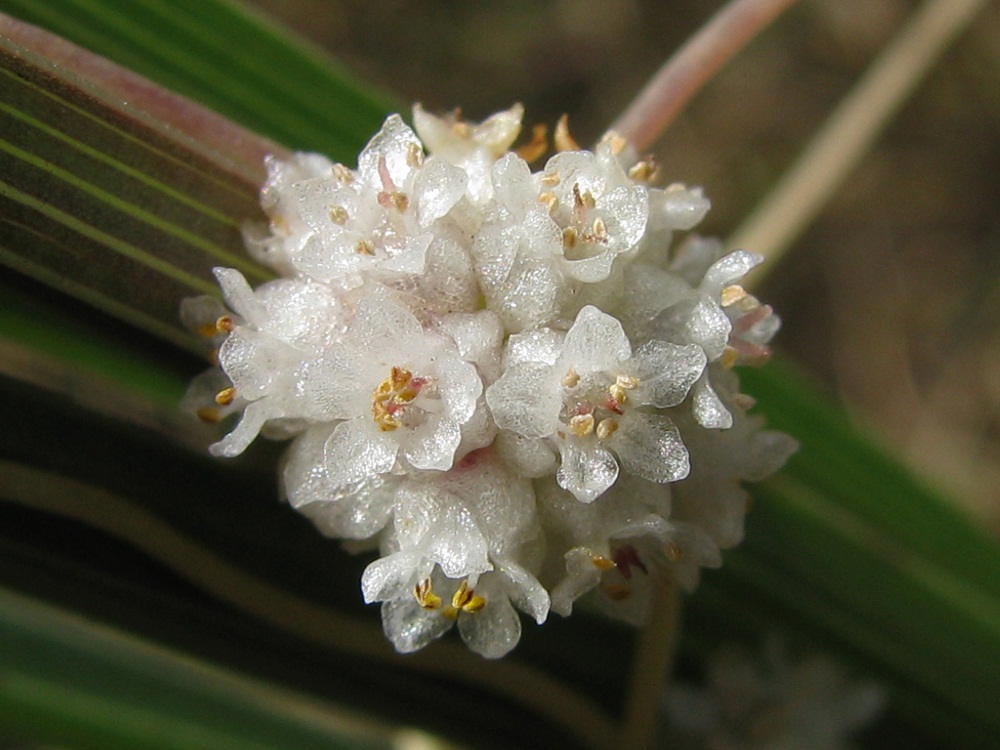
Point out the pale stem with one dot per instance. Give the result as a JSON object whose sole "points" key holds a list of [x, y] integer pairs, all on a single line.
{"points": [[688, 69], [850, 131], [651, 666]]}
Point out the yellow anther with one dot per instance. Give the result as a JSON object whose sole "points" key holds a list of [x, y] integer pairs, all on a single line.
{"points": [[461, 127], [338, 215], [644, 171], [582, 424], [538, 145], [450, 612], [571, 378], [391, 395], [582, 200], [603, 563], [628, 382], [343, 174], [550, 179], [618, 389], [208, 414], [475, 604], [462, 596], [599, 232], [674, 552], [394, 199], [615, 141], [551, 200], [729, 357], [606, 428], [425, 596], [414, 156], [225, 396], [207, 330], [224, 324], [569, 237], [675, 187], [364, 247], [465, 599], [562, 139], [617, 592], [732, 294]]}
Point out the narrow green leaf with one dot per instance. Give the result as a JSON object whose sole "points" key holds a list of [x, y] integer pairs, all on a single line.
{"points": [[64, 680]]}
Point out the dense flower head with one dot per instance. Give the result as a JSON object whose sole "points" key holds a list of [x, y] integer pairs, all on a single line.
{"points": [[509, 382]]}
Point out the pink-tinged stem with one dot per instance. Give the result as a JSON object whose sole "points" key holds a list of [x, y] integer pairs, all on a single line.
{"points": [[683, 75], [137, 98]]}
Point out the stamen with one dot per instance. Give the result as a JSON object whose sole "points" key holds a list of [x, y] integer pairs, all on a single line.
{"points": [[344, 175], [550, 179], [207, 330], [602, 563], [550, 200], [606, 428], [225, 396], [615, 141], [644, 171], [618, 389], [617, 592], [391, 397], [425, 596], [562, 139], [414, 156], [537, 147], [732, 294], [673, 551], [225, 324], [208, 414], [364, 247], [730, 355], [571, 378], [465, 599], [338, 215], [582, 424], [599, 232], [569, 237]]}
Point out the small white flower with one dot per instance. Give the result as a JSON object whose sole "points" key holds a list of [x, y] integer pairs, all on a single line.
{"points": [[404, 394], [588, 399]]}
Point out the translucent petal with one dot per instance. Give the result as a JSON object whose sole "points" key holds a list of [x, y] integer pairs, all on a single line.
{"points": [[392, 143], [410, 627], [493, 631], [650, 446], [728, 270], [528, 594], [244, 433], [709, 411], [437, 188], [526, 399], [665, 371], [587, 470], [530, 457], [541, 345], [432, 445], [239, 296], [393, 576], [356, 450], [595, 343], [381, 326]]}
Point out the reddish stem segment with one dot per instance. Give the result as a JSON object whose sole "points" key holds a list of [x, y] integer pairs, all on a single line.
{"points": [[683, 75]]}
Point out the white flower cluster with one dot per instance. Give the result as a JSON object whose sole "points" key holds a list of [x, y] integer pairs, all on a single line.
{"points": [[506, 381], [769, 701]]}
